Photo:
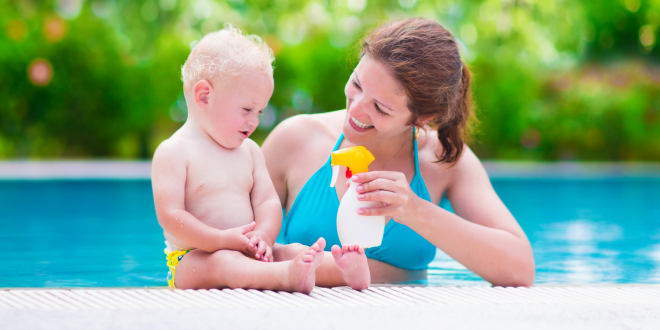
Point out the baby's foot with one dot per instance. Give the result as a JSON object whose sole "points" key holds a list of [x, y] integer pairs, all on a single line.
{"points": [[352, 263], [303, 267]]}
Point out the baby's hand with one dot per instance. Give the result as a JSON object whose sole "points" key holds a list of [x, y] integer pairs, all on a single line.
{"points": [[259, 247], [235, 238]]}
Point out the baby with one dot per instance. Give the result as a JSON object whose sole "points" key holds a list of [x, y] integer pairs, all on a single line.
{"points": [[213, 195]]}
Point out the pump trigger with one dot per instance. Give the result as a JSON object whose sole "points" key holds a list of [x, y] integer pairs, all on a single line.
{"points": [[349, 174], [335, 175]]}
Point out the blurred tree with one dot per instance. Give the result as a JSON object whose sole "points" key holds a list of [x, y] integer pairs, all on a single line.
{"points": [[553, 79]]}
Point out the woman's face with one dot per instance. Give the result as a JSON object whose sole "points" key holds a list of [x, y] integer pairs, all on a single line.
{"points": [[375, 104]]}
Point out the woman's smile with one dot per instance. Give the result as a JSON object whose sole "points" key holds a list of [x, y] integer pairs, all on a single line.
{"points": [[358, 125]]}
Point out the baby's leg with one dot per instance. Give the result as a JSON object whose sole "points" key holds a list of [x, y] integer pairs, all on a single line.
{"points": [[348, 265], [226, 268]]}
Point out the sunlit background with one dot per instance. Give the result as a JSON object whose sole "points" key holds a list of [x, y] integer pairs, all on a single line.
{"points": [[553, 79]]}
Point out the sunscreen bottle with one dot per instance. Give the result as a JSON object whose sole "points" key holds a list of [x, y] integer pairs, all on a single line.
{"points": [[353, 228]]}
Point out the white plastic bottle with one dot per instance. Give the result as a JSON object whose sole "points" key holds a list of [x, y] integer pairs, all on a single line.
{"points": [[353, 228]]}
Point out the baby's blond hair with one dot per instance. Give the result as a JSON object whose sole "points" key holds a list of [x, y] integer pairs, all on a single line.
{"points": [[225, 52]]}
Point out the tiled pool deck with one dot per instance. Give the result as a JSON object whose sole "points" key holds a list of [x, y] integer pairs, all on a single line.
{"points": [[384, 307]]}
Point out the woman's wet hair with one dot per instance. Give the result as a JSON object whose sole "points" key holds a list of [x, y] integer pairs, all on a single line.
{"points": [[423, 57]]}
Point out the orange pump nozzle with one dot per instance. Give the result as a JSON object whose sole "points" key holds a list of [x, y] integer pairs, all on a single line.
{"points": [[355, 159]]}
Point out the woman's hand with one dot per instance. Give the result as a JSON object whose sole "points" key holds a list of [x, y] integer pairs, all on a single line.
{"points": [[390, 188]]}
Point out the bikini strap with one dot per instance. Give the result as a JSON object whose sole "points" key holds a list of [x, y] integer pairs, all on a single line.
{"points": [[416, 155], [341, 138]]}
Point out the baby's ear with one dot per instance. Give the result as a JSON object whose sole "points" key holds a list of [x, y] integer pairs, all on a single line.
{"points": [[202, 90]]}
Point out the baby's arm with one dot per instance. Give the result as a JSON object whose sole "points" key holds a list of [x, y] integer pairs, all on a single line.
{"points": [[265, 204], [168, 180]]}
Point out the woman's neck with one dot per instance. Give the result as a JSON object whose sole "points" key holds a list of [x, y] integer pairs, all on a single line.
{"points": [[386, 151]]}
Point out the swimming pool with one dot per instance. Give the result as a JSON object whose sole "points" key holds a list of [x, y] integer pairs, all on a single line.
{"points": [[104, 233]]}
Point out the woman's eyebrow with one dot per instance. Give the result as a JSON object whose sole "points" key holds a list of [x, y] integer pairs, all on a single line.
{"points": [[379, 102]]}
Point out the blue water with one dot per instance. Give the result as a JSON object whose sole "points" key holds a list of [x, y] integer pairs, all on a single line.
{"points": [[105, 233]]}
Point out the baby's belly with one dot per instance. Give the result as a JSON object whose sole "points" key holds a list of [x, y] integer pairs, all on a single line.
{"points": [[222, 212]]}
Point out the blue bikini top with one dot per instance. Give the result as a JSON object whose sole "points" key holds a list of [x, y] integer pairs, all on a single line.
{"points": [[314, 214]]}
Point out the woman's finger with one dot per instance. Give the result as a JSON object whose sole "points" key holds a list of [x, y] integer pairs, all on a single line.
{"points": [[390, 210], [384, 196], [378, 184], [370, 176]]}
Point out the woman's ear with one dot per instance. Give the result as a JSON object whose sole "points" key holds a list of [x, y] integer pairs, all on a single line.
{"points": [[203, 91], [421, 122]]}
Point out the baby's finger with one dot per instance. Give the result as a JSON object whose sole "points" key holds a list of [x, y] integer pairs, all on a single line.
{"points": [[247, 228], [269, 254], [252, 249], [261, 249], [254, 240]]}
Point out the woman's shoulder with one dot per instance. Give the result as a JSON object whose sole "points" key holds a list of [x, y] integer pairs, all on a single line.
{"points": [[305, 130], [430, 148]]}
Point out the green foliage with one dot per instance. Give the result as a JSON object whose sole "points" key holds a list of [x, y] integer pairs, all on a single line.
{"points": [[552, 79]]}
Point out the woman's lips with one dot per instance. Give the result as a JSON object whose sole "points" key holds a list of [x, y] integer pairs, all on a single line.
{"points": [[356, 127]]}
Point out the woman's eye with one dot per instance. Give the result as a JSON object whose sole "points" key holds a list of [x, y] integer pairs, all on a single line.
{"points": [[356, 85], [380, 111]]}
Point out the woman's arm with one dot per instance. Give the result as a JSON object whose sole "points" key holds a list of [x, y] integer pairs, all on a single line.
{"points": [[482, 235], [297, 148], [277, 150]]}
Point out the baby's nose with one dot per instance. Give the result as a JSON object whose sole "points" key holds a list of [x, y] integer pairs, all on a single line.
{"points": [[253, 122]]}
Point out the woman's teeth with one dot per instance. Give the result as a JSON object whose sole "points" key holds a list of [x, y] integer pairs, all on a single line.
{"points": [[360, 124]]}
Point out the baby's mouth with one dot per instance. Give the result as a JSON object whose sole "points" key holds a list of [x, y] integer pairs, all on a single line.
{"points": [[245, 134]]}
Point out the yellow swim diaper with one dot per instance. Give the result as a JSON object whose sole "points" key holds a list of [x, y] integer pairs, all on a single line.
{"points": [[173, 258]]}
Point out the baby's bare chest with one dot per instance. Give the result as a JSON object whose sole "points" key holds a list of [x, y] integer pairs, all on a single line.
{"points": [[214, 173]]}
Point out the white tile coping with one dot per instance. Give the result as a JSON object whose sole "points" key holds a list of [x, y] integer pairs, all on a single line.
{"points": [[40, 170], [380, 307], [376, 296], [114, 169]]}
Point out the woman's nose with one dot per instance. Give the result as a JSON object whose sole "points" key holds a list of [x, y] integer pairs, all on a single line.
{"points": [[358, 106]]}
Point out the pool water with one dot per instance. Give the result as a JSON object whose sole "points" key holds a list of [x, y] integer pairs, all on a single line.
{"points": [[104, 233]]}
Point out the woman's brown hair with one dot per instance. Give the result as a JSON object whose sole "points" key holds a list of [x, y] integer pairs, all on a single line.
{"points": [[424, 58]]}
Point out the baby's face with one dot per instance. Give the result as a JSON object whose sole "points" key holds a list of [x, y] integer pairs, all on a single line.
{"points": [[235, 105]]}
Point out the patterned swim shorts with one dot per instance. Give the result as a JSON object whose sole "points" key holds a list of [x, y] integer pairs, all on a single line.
{"points": [[173, 259]]}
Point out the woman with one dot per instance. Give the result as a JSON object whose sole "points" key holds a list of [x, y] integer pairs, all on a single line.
{"points": [[408, 102]]}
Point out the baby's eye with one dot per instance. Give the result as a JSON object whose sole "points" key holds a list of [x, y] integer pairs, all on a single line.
{"points": [[247, 109], [356, 84]]}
